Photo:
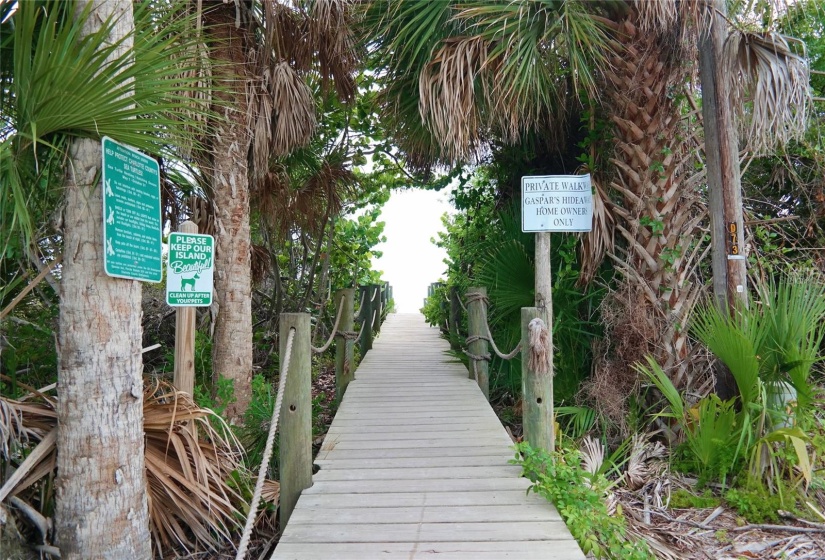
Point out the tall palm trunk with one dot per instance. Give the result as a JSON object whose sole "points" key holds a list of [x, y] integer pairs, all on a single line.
{"points": [[230, 140], [101, 507], [658, 208]]}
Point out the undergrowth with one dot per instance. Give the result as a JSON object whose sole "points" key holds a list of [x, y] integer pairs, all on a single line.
{"points": [[579, 497]]}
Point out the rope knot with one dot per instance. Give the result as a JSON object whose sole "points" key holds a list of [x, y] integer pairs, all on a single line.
{"points": [[539, 341]]}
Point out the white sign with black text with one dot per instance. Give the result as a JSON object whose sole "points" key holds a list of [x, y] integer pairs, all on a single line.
{"points": [[556, 203]]}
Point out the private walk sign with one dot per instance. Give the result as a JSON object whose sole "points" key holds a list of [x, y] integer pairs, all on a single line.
{"points": [[132, 226], [556, 203], [189, 274]]}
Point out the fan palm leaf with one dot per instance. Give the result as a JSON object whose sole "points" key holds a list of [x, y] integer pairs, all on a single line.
{"points": [[61, 83]]}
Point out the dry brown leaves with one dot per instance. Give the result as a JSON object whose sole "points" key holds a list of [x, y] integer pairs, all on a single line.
{"points": [[713, 533], [190, 457]]}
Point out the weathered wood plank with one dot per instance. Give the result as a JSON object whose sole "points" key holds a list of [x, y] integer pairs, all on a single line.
{"points": [[531, 550], [475, 473], [426, 514]]}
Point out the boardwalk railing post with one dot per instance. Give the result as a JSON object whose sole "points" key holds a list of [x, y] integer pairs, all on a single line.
{"points": [[184, 376], [536, 389], [295, 461], [365, 314], [375, 294], [344, 344], [455, 318], [477, 321]]}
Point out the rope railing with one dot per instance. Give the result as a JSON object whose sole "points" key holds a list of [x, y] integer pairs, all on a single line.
{"points": [[332, 335], [361, 305], [270, 443], [374, 294]]}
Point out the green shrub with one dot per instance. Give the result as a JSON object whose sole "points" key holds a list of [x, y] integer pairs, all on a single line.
{"points": [[580, 498]]}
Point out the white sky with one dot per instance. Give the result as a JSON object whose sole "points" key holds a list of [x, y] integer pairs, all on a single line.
{"points": [[410, 261]]}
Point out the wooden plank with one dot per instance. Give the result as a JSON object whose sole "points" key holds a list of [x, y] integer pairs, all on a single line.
{"points": [[402, 486], [337, 453], [429, 499], [435, 532], [359, 434], [424, 443], [426, 514], [417, 462], [419, 474], [502, 550]]}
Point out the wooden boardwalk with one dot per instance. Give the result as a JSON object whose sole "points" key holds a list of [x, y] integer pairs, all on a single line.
{"points": [[415, 465]]}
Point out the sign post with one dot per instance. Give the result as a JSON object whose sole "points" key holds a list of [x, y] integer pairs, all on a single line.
{"points": [[548, 203], [189, 277], [132, 225]]}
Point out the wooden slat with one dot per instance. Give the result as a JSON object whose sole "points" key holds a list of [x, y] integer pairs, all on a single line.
{"points": [[417, 465]]}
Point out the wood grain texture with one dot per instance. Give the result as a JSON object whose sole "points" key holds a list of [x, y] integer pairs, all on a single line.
{"points": [[417, 465]]}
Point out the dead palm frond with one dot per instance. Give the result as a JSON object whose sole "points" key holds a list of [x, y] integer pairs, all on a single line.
{"points": [[293, 110], [189, 463], [331, 35], [642, 464], [188, 474], [592, 452], [764, 69], [447, 94]]}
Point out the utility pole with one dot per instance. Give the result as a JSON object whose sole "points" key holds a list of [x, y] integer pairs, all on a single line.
{"points": [[722, 154], [730, 279]]}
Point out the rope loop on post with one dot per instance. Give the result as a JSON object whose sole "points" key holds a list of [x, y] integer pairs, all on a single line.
{"points": [[475, 296], [374, 294], [270, 443], [539, 340], [334, 330], [348, 335]]}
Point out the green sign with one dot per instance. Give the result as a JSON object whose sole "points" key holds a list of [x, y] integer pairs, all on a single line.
{"points": [[131, 214], [190, 271]]}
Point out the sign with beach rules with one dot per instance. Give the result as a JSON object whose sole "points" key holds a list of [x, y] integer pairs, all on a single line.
{"points": [[190, 270], [131, 214]]}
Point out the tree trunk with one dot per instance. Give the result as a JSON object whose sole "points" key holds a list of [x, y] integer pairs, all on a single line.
{"points": [[230, 140], [101, 507]]}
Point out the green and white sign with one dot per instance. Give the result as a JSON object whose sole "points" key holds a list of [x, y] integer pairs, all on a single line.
{"points": [[132, 226], [190, 273]]}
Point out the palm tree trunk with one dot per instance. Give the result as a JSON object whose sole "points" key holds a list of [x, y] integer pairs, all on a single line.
{"points": [[231, 137], [101, 508], [659, 209]]}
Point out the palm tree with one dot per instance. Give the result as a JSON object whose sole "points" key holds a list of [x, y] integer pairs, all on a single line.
{"points": [[259, 53], [77, 73]]}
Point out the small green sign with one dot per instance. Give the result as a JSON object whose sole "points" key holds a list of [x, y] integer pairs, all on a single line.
{"points": [[189, 275], [132, 225]]}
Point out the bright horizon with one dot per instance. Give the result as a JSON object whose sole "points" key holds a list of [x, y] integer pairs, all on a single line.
{"points": [[410, 261]]}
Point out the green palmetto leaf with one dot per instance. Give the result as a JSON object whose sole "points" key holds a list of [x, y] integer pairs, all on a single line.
{"points": [[63, 84]]}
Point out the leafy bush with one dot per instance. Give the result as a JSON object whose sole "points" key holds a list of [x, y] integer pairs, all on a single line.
{"points": [[580, 498]]}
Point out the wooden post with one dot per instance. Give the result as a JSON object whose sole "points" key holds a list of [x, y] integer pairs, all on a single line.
{"points": [[725, 192], [536, 389], [375, 291], [344, 346], [184, 376], [455, 318], [722, 155], [477, 319], [366, 321], [295, 462]]}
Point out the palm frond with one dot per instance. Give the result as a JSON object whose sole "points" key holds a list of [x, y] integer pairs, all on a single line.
{"points": [[62, 84], [770, 88]]}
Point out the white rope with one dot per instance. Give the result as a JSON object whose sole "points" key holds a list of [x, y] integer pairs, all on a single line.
{"points": [[334, 330], [361, 332], [498, 352], [375, 293], [361, 305], [270, 442]]}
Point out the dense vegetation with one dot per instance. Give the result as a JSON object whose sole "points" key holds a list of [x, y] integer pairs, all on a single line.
{"points": [[344, 102]]}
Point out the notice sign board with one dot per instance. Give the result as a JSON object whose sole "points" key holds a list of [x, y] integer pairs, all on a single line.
{"points": [[189, 275], [556, 203], [131, 214]]}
